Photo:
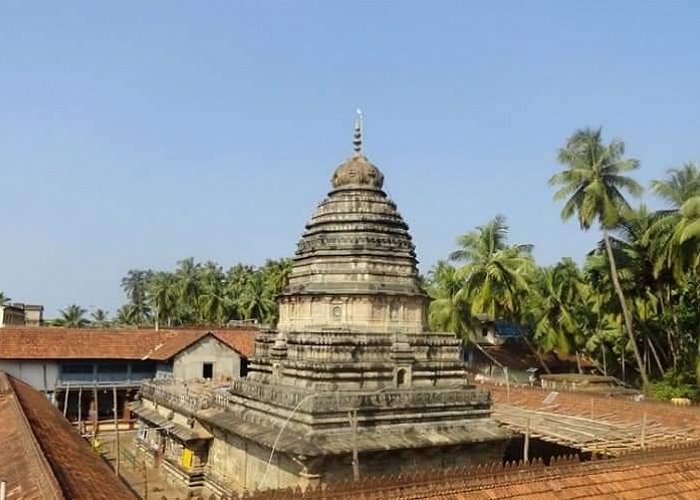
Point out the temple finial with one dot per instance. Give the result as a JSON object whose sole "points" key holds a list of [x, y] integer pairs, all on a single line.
{"points": [[357, 140]]}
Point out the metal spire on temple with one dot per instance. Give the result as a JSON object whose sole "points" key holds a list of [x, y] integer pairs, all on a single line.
{"points": [[357, 140]]}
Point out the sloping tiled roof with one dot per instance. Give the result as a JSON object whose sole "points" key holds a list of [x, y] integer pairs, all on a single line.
{"points": [[658, 474], [518, 356], [98, 343], [43, 457], [240, 340], [680, 418]]}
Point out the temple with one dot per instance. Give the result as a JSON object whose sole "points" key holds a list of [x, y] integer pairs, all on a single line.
{"points": [[351, 382]]}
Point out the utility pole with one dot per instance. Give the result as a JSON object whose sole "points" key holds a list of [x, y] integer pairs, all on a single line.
{"points": [[352, 417], [116, 430]]}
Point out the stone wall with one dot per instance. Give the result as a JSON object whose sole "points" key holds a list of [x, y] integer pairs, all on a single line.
{"points": [[375, 314], [239, 463], [407, 461]]}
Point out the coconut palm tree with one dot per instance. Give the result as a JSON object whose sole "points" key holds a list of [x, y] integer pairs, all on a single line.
{"points": [[188, 275], [682, 184], [100, 318], [276, 274], [234, 283], [4, 299], [255, 301], [556, 307], [213, 306], [675, 234], [593, 185], [162, 293], [126, 315], [448, 311], [72, 316], [495, 273], [134, 285]]}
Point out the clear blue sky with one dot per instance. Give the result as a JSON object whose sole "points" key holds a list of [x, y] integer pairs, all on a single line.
{"points": [[133, 134]]}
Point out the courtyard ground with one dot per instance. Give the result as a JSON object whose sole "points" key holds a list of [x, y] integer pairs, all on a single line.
{"points": [[147, 482]]}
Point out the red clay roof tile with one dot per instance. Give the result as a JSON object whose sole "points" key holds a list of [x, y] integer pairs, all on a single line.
{"points": [[94, 343], [43, 457]]}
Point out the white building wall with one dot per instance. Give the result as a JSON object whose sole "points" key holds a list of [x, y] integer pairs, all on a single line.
{"points": [[189, 363], [40, 374]]}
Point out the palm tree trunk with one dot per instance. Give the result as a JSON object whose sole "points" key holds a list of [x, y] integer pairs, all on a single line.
{"points": [[625, 311], [605, 362], [656, 356], [667, 305]]}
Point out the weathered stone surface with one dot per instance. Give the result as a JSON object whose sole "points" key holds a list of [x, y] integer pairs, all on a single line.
{"points": [[351, 344]]}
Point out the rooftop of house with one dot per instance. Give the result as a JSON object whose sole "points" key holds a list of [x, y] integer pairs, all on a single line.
{"points": [[517, 355], [103, 343], [42, 456]]}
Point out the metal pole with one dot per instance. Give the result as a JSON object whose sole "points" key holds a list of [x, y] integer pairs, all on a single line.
{"points": [[116, 429], [2, 490], [526, 445], [65, 400], [644, 430]]}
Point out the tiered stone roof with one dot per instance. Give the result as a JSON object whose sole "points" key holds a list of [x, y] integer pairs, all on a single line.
{"points": [[356, 241]]}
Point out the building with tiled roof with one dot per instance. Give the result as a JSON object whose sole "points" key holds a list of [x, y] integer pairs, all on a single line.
{"points": [[42, 457], [79, 364]]}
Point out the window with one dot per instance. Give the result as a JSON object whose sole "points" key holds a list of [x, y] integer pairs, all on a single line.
{"points": [[207, 370], [77, 372]]}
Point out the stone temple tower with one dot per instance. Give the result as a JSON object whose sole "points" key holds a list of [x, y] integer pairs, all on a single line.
{"points": [[353, 316], [351, 367]]}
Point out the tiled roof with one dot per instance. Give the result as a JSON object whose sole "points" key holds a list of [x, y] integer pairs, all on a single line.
{"points": [[43, 457], [681, 418], [240, 340], [98, 343], [517, 355], [659, 474]]}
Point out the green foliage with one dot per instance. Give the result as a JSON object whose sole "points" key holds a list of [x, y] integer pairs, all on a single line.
{"points": [[494, 273], [100, 318], [633, 307], [197, 293], [449, 310], [72, 316], [676, 385]]}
